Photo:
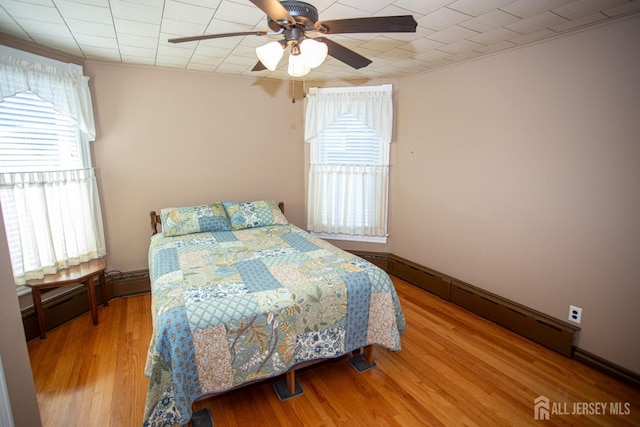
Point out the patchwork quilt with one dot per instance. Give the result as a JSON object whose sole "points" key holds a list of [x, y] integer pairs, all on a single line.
{"points": [[230, 307]]}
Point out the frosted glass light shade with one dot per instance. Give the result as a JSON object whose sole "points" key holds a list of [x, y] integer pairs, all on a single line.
{"points": [[270, 54], [297, 66], [314, 52]]}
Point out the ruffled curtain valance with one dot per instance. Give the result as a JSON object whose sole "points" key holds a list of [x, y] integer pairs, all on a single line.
{"points": [[373, 106], [68, 92]]}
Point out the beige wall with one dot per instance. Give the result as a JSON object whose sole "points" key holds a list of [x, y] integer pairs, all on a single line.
{"points": [[175, 138], [517, 173], [520, 173], [13, 347]]}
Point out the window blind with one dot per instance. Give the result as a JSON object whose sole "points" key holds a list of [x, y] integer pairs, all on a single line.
{"points": [[347, 141], [34, 137]]}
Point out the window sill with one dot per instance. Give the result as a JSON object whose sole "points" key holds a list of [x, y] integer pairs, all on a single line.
{"points": [[366, 239]]}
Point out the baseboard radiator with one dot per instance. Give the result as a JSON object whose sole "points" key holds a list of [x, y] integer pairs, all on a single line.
{"points": [[541, 328]]}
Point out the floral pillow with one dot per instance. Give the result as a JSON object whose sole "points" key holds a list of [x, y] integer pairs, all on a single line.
{"points": [[254, 214], [194, 219]]}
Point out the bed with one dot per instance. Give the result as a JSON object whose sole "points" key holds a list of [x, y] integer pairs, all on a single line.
{"points": [[240, 295]]}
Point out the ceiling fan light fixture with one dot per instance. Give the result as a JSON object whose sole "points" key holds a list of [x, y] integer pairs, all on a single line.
{"points": [[297, 66], [314, 52], [270, 54]]}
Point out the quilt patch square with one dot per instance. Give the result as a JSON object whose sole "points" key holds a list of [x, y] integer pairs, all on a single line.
{"points": [[256, 276], [358, 301]]}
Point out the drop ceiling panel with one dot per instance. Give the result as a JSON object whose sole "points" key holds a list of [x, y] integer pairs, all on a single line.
{"points": [[449, 31]]}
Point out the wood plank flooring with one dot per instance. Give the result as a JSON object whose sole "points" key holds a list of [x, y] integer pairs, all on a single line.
{"points": [[454, 369]]}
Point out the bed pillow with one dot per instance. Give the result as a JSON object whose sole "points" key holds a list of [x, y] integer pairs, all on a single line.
{"points": [[194, 219], [254, 214]]}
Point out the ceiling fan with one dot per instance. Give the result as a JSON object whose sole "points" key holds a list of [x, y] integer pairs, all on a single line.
{"points": [[294, 19]]}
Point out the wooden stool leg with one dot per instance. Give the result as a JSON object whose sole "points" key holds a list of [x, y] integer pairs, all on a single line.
{"points": [[37, 304], [92, 300], [103, 285]]}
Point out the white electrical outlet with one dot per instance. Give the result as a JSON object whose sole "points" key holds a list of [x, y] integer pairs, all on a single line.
{"points": [[575, 314]]}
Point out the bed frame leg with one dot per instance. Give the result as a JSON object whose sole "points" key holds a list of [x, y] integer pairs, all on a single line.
{"points": [[289, 387], [291, 381], [368, 354], [364, 360]]}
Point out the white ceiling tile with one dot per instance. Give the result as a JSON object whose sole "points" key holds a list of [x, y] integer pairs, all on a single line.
{"points": [[85, 40], [532, 37], [477, 7], [209, 61], [461, 47], [421, 6], [452, 34], [181, 28], [422, 45], [150, 14], [62, 42], [230, 68], [449, 31], [38, 12], [239, 13], [395, 54], [494, 36], [129, 51], [536, 23], [371, 6], [140, 42], [85, 12], [581, 22], [211, 51], [529, 8], [442, 18], [464, 56], [101, 53], [92, 28], [495, 47], [432, 55], [44, 28], [179, 11], [171, 61], [381, 44], [585, 8], [489, 21], [125, 26]]}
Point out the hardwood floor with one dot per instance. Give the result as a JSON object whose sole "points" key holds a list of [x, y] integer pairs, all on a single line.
{"points": [[454, 369]]}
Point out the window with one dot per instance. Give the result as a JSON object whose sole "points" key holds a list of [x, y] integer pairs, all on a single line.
{"points": [[349, 164], [48, 189], [36, 138]]}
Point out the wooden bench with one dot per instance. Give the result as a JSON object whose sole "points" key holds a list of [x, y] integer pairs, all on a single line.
{"points": [[81, 274]]}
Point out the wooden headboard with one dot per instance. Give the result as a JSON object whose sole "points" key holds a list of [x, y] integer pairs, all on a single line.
{"points": [[155, 219]]}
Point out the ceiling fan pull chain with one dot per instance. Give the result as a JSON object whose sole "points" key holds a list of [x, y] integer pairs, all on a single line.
{"points": [[304, 92], [293, 89]]}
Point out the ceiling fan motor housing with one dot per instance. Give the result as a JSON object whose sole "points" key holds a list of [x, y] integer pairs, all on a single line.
{"points": [[305, 15]]}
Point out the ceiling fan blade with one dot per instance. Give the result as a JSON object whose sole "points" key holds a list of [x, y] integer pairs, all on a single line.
{"points": [[375, 24], [216, 36], [259, 67], [275, 11], [344, 54]]}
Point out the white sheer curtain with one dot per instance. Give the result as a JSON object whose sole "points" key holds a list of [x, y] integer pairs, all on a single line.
{"points": [[53, 219], [349, 201]]}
